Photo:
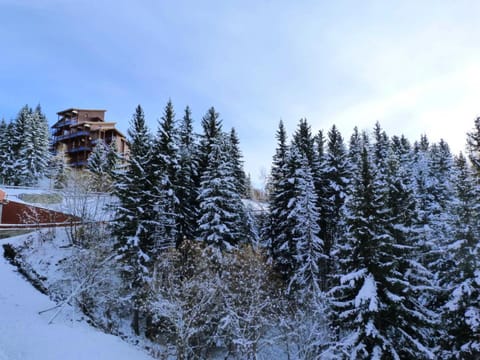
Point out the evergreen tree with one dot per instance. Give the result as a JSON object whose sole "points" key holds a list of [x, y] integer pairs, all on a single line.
{"points": [[303, 217], [380, 147], [212, 128], [99, 168], [22, 148], [221, 208], [279, 196], [473, 145], [59, 171], [7, 159], [237, 163], [165, 168], [460, 335], [355, 150], [41, 143], [305, 143], [25, 147], [188, 171], [336, 177], [132, 228], [114, 159], [424, 200], [440, 190], [376, 312]]}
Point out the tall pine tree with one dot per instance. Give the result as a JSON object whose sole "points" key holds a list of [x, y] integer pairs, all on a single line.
{"points": [[165, 168], [187, 191], [132, 228]]}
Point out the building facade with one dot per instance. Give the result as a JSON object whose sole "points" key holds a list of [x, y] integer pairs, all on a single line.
{"points": [[78, 131]]}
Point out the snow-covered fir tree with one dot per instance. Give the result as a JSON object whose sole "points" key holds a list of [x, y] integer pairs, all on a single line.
{"points": [[375, 311], [303, 219], [212, 128], [102, 164], [133, 225], [335, 175], [473, 145], [305, 143], [27, 148], [41, 143], [237, 163], [7, 158], [187, 191], [220, 205], [278, 229], [165, 168], [460, 330]]}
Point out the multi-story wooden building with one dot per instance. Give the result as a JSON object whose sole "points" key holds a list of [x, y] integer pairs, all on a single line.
{"points": [[77, 131]]}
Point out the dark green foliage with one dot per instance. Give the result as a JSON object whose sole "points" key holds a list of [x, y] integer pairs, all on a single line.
{"points": [[237, 163], [335, 178], [212, 128], [376, 311], [133, 226], [220, 207], [165, 169], [473, 144], [187, 192], [460, 334], [279, 196], [102, 164]]}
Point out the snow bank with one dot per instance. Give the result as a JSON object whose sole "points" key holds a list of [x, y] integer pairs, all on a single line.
{"points": [[26, 335]]}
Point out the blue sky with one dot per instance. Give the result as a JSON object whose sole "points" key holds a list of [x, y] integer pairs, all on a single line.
{"points": [[412, 65]]}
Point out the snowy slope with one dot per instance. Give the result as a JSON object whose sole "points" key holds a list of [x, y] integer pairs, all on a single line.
{"points": [[26, 335]]}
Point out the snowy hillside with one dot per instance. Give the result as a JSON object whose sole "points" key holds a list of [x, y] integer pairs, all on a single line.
{"points": [[26, 335]]}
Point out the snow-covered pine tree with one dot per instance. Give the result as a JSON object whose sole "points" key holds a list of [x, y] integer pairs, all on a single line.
{"points": [[165, 169], [25, 147], [440, 191], [460, 332], [98, 167], [187, 191], [303, 218], [7, 159], [212, 128], [237, 163], [58, 171], [305, 143], [336, 178], [355, 147], [311, 149], [410, 280], [380, 153], [41, 143], [424, 200], [114, 159], [22, 148], [279, 191], [371, 295], [473, 145], [132, 228], [402, 151], [220, 205]]}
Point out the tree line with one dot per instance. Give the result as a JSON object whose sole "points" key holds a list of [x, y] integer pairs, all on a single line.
{"points": [[372, 245], [369, 248]]}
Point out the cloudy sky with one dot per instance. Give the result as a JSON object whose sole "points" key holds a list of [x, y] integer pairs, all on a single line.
{"points": [[414, 66]]}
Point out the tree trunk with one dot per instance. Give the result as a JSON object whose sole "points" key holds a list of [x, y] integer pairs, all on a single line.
{"points": [[136, 321]]}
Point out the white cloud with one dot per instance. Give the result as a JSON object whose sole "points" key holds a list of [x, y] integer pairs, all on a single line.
{"points": [[441, 107]]}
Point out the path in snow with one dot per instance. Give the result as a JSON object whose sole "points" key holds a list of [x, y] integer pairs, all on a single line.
{"points": [[26, 335]]}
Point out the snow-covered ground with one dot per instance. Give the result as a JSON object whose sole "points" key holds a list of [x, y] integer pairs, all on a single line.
{"points": [[27, 335]]}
